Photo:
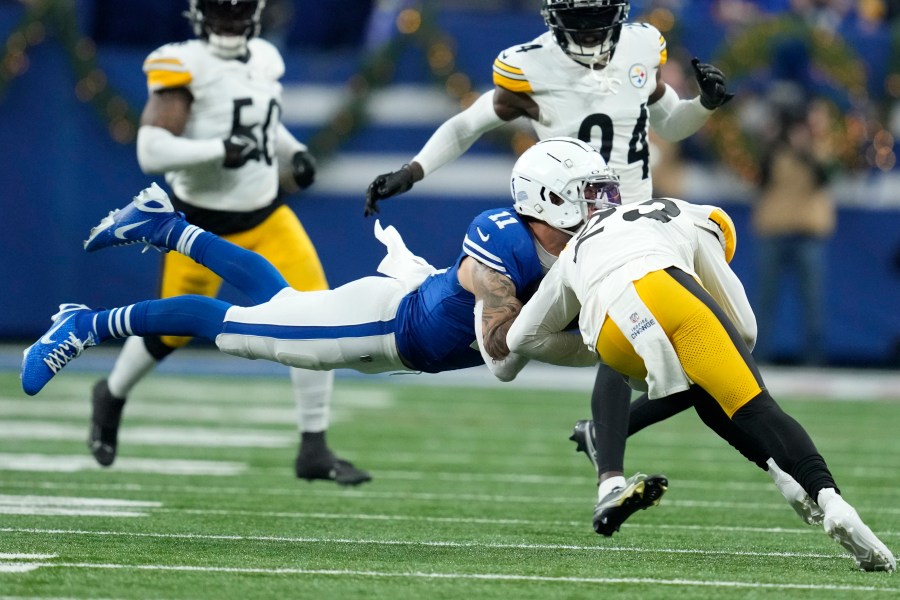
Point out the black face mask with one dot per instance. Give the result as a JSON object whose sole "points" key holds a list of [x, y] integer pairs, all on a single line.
{"points": [[222, 17], [588, 18]]}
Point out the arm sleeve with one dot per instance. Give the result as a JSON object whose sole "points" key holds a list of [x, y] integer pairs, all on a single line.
{"points": [[458, 133], [286, 145], [506, 369], [675, 119], [538, 331], [723, 284], [159, 150]]}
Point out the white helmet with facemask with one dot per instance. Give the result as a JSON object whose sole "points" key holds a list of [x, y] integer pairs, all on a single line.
{"points": [[558, 179], [586, 30], [226, 25]]}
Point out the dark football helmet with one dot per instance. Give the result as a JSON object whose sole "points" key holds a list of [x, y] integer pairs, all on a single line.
{"points": [[226, 25], [586, 30]]}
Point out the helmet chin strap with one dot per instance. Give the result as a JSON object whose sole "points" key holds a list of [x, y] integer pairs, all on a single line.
{"points": [[227, 46]]}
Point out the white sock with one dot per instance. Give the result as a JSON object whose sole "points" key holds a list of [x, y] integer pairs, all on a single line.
{"points": [[608, 485], [133, 363], [312, 395]]}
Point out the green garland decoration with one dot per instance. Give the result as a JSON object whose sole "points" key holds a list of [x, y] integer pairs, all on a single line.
{"points": [[752, 51], [57, 17], [416, 26]]}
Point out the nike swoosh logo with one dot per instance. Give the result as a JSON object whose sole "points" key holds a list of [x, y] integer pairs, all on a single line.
{"points": [[47, 338], [483, 237], [121, 231]]}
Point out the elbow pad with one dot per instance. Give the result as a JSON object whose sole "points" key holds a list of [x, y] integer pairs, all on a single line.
{"points": [[159, 150], [675, 119], [458, 134]]}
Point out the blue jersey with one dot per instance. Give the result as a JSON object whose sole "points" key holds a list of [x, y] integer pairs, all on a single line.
{"points": [[435, 324]]}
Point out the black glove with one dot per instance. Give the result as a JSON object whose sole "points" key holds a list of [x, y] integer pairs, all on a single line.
{"points": [[387, 185], [304, 169], [712, 85], [239, 149]]}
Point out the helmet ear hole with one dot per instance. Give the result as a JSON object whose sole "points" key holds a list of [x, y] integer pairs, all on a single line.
{"points": [[556, 199]]}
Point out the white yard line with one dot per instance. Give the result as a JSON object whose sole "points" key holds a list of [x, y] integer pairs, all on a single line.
{"points": [[68, 463], [477, 576], [368, 494], [418, 543]]}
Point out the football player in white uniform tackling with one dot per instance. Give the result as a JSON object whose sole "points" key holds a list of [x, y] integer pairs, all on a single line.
{"points": [[596, 77], [212, 124], [655, 299]]}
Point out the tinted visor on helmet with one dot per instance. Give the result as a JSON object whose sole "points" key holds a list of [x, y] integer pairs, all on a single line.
{"points": [[601, 192], [229, 17], [589, 26]]}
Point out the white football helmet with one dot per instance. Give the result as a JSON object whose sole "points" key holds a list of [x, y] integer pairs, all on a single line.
{"points": [[557, 179], [587, 30], [226, 25]]}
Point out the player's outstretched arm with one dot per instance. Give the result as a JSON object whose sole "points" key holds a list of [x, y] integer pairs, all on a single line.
{"points": [[448, 143], [674, 118]]}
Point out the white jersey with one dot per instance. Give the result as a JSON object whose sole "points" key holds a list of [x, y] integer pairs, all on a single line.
{"points": [[606, 108], [230, 96], [622, 244]]}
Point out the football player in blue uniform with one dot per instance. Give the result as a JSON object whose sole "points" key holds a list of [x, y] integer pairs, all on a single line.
{"points": [[415, 318], [595, 76]]}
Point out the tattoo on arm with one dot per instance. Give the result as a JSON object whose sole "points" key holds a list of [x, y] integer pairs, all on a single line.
{"points": [[500, 308]]}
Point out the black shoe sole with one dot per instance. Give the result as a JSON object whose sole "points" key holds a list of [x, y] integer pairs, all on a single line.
{"points": [[341, 472], [609, 520]]}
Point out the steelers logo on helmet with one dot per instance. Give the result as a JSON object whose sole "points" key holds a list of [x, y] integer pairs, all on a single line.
{"points": [[586, 30], [226, 25], [558, 180]]}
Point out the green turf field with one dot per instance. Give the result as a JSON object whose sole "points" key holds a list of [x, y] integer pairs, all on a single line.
{"points": [[477, 494]]}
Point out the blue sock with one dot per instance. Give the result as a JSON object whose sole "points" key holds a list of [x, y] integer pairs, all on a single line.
{"points": [[192, 316], [246, 270]]}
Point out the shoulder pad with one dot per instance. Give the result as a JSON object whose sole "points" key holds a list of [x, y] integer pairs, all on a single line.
{"points": [[173, 65], [510, 65], [493, 237], [645, 33], [266, 59]]}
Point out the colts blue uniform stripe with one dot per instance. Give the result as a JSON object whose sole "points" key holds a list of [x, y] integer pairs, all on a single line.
{"points": [[310, 332]]}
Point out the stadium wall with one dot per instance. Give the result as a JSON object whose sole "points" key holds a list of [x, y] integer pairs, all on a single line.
{"points": [[62, 172]]}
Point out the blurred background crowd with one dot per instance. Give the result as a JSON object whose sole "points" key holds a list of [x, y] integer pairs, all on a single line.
{"points": [[804, 158]]}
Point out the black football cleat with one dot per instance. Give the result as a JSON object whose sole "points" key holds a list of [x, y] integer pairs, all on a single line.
{"points": [[105, 417], [325, 465], [583, 436], [640, 492]]}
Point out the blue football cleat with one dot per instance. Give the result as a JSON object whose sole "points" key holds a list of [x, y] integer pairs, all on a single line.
{"points": [[60, 345], [148, 219]]}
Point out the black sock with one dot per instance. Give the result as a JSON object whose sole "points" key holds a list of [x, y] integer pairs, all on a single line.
{"points": [[712, 414], [610, 402], [786, 442], [645, 412]]}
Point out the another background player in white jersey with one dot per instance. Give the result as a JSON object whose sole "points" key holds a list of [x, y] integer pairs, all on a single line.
{"points": [[655, 299], [594, 77], [212, 124]]}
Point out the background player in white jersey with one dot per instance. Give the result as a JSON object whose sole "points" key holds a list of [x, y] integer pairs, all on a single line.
{"points": [[655, 300], [595, 77], [416, 319], [212, 124]]}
